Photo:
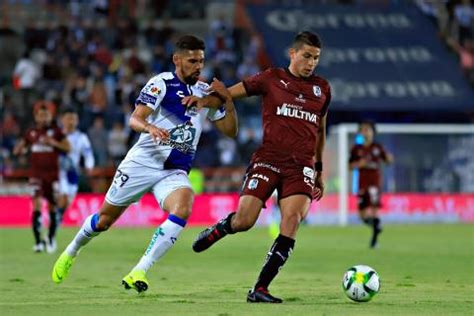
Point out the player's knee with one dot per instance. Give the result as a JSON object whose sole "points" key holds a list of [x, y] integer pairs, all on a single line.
{"points": [[292, 219], [182, 211]]}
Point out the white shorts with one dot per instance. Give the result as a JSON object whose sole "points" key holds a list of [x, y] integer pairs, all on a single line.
{"points": [[133, 180], [65, 187]]}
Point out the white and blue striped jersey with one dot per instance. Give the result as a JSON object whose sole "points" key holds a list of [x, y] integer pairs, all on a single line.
{"points": [[80, 146], [163, 94]]}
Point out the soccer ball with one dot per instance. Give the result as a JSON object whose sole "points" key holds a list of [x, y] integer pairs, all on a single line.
{"points": [[361, 283]]}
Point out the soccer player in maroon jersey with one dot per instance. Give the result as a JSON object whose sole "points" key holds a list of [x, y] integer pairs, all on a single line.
{"points": [[45, 141], [294, 108], [368, 158]]}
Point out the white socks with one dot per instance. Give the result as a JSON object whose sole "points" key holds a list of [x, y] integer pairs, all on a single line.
{"points": [[163, 239], [84, 235]]}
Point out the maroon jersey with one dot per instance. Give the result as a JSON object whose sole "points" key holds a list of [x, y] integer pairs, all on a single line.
{"points": [[44, 159], [292, 109], [374, 155]]}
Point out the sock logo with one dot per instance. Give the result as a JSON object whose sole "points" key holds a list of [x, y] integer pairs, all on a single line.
{"points": [[159, 232], [173, 239]]}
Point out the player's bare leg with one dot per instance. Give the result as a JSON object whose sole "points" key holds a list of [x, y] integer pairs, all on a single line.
{"points": [[247, 214], [293, 209], [92, 226], [179, 205]]}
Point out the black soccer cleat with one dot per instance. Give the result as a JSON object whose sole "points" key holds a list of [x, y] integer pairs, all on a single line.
{"points": [[208, 237], [262, 295]]}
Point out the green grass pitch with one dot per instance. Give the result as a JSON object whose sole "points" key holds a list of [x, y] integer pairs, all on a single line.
{"points": [[424, 270]]}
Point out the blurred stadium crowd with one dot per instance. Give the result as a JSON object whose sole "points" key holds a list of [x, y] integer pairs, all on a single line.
{"points": [[98, 55]]}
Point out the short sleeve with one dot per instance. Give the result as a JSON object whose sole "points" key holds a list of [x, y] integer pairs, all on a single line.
{"points": [[324, 110], [257, 84], [58, 134], [216, 114], [152, 93]]}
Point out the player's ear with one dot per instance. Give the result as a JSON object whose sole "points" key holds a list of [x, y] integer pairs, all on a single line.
{"points": [[176, 58], [291, 52]]}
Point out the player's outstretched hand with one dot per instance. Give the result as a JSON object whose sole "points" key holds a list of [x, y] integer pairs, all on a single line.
{"points": [[220, 89], [158, 134], [318, 190]]}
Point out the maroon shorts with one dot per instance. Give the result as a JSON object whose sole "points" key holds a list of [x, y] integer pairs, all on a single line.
{"points": [[262, 179], [371, 197], [43, 188]]}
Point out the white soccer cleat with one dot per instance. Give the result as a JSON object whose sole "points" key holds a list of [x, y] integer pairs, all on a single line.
{"points": [[51, 246], [39, 247]]}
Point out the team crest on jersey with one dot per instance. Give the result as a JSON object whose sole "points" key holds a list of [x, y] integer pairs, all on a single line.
{"points": [[253, 183], [317, 91], [375, 151]]}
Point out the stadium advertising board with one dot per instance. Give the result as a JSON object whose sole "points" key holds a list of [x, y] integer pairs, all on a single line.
{"points": [[209, 208]]}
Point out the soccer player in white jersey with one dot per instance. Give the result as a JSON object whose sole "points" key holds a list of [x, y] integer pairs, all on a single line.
{"points": [[69, 169], [160, 160]]}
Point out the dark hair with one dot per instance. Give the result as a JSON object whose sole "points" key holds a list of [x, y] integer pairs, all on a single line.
{"points": [[306, 37], [370, 123], [189, 42], [69, 110]]}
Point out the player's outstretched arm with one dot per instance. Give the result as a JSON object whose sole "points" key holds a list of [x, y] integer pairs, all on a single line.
{"points": [[228, 125], [237, 91], [63, 145], [139, 123], [20, 148]]}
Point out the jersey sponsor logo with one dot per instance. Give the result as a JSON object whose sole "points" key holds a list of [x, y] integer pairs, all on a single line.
{"points": [[291, 110], [266, 165], [285, 83], [253, 183], [40, 148], [317, 91], [300, 98], [181, 137], [180, 93], [260, 176], [146, 98]]}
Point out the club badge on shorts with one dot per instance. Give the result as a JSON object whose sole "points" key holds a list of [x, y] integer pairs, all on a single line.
{"points": [[253, 183]]}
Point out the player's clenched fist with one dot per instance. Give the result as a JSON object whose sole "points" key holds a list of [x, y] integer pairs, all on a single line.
{"points": [[220, 89], [193, 100]]}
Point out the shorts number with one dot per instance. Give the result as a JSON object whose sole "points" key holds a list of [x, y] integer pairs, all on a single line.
{"points": [[122, 177]]}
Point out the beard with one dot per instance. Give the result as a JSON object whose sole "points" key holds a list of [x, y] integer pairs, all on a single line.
{"points": [[192, 79]]}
